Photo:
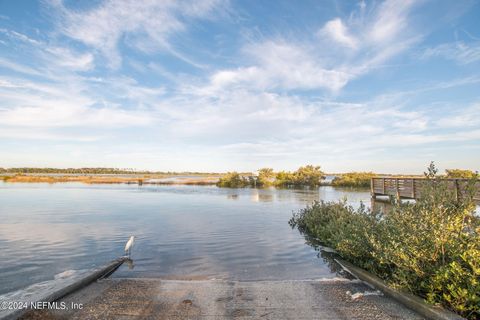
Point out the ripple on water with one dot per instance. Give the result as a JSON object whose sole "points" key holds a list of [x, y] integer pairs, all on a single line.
{"points": [[186, 231]]}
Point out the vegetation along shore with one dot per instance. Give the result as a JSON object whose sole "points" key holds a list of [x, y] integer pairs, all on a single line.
{"points": [[112, 179], [306, 176], [430, 248]]}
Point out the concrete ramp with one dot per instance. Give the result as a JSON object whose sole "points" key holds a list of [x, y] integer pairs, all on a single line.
{"points": [[218, 299]]}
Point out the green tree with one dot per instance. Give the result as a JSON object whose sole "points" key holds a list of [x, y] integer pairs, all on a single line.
{"points": [[233, 180], [308, 176], [284, 179], [265, 177], [353, 179], [461, 174]]}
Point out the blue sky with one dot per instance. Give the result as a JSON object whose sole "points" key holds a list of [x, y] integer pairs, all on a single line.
{"points": [[212, 85]]}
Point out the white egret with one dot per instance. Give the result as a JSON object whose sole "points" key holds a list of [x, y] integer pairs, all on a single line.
{"points": [[129, 245]]}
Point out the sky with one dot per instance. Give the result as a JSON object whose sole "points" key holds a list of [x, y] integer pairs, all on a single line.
{"points": [[218, 85]]}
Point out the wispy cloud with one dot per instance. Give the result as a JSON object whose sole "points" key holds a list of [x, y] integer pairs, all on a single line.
{"points": [[468, 118], [67, 58], [460, 52], [19, 36], [289, 65], [282, 98], [278, 65], [21, 68], [141, 24]]}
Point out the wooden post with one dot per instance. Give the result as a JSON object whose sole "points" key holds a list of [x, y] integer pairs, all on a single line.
{"points": [[397, 190], [413, 189], [456, 190], [383, 188]]}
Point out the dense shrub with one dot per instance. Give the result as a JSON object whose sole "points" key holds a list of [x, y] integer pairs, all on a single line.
{"points": [[461, 174], [233, 180], [265, 178], [353, 179], [307, 176], [430, 248]]}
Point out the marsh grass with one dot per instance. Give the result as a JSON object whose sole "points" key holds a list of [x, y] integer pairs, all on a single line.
{"points": [[22, 178]]}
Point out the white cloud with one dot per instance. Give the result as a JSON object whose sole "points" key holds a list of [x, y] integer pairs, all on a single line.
{"points": [[372, 39], [8, 64], [390, 20], [336, 30], [461, 52], [43, 134], [61, 114], [67, 58], [45, 105], [146, 25], [19, 36], [278, 65], [254, 113], [469, 117], [267, 124], [366, 42], [50, 54]]}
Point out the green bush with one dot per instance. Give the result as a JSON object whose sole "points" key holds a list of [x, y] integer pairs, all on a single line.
{"points": [[353, 179], [461, 174], [265, 177], [233, 180], [307, 176], [430, 248]]}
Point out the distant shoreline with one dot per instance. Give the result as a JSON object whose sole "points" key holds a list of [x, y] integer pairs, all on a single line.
{"points": [[138, 178], [112, 179]]}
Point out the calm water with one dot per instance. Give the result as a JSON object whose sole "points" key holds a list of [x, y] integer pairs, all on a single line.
{"points": [[47, 231]]}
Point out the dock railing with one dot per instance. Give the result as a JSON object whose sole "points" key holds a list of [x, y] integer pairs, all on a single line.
{"points": [[411, 188]]}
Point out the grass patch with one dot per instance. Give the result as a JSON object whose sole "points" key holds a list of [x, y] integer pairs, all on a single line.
{"points": [[118, 179], [84, 179]]}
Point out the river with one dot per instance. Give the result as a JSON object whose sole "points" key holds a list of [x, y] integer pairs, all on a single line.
{"points": [[48, 231]]}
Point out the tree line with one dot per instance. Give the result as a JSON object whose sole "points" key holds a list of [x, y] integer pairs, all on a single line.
{"points": [[94, 170], [306, 176]]}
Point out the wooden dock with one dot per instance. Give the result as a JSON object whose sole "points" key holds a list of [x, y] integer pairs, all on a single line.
{"points": [[411, 188]]}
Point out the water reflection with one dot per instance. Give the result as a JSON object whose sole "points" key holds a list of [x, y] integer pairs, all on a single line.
{"points": [[186, 231], [303, 196], [130, 264], [262, 195]]}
